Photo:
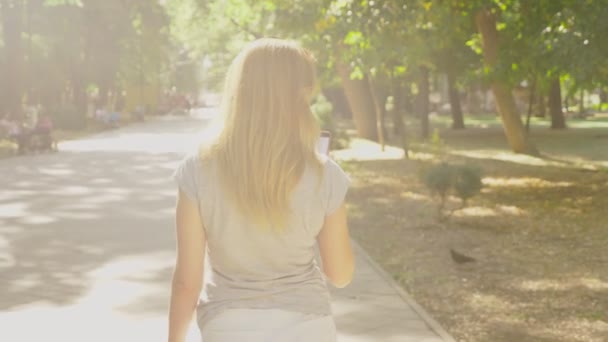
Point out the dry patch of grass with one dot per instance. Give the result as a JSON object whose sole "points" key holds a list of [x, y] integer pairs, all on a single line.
{"points": [[539, 234]]}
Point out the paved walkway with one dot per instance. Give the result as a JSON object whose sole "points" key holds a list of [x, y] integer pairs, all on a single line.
{"points": [[87, 247], [374, 308]]}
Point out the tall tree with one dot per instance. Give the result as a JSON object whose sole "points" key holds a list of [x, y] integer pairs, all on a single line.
{"points": [[455, 107], [360, 100], [422, 102], [555, 105], [511, 119]]}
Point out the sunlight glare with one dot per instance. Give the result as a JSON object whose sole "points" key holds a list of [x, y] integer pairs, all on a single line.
{"points": [[562, 284], [361, 149], [523, 182], [476, 212], [415, 196], [490, 301]]}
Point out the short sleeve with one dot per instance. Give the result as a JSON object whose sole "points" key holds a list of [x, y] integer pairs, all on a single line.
{"points": [[185, 176], [337, 183]]}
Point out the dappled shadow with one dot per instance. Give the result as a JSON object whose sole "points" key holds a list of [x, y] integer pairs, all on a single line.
{"points": [[370, 309], [93, 224], [64, 216]]}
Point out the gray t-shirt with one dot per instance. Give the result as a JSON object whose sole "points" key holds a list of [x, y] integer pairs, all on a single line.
{"points": [[248, 267]]}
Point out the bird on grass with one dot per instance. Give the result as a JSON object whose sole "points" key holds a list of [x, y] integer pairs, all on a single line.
{"points": [[460, 258]]}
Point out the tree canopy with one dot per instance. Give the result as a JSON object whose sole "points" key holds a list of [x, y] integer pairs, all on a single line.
{"points": [[138, 47]]}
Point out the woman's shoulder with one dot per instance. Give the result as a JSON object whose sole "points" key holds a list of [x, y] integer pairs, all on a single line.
{"points": [[194, 173], [330, 166], [198, 160], [331, 173]]}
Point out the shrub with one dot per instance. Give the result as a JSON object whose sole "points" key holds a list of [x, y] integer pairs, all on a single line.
{"points": [[439, 179], [463, 180], [467, 182]]}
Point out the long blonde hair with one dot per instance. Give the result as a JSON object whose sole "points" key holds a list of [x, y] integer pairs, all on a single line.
{"points": [[269, 133]]}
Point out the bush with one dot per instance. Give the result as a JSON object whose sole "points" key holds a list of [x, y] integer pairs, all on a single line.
{"points": [[439, 179], [463, 180], [467, 182]]}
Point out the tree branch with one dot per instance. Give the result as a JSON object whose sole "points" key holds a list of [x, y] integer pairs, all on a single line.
{"points": [[257, 35]]}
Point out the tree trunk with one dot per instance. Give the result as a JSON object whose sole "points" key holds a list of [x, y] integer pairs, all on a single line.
{"points": [[567, 98], [335, 95], [398, 109], [27, 70], [603, 98], [360, 102], [512, 123], [79, 103], [382, 95], [379, 109], [397, 113], [555, 105], [540, 102], [531, 97], [581, 102], [11, 88], [455, 107], [422, 102], [103, 95], [408, 99]]}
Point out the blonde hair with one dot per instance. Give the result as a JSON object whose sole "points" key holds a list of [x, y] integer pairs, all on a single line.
{"points": [[269, 134]]}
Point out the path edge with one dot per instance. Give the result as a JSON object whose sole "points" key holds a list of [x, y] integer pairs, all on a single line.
{"points": [[426, 317]]}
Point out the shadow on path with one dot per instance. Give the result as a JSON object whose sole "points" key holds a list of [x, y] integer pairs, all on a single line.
{"points": [[64, 216]]}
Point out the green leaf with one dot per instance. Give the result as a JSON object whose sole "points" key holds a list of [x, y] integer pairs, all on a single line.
{"points": [[353, 38], [356, 74]]}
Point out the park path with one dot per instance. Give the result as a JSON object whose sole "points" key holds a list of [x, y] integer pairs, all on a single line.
{"points": [[87, 246]]}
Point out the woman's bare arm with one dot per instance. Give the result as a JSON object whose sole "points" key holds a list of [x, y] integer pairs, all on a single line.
{"points": [[188, 274], [335, 248]]}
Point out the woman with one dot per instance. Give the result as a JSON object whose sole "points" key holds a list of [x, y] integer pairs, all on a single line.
{"points": [[252, 206]]}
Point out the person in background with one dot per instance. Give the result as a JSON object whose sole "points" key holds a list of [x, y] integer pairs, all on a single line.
{"points": [[44, 132], [44, 125], [253, 204], [113, 119], [101, 116], [31, 115]]}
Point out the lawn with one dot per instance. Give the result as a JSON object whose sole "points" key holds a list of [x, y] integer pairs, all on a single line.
{"points": [[585, 144], [538, 232]]}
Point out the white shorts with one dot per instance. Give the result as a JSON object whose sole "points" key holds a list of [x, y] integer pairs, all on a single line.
{"points": [[272, 325]]}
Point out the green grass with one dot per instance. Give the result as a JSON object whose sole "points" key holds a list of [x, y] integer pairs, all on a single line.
{"points": [[493, 121], [583, 144]]}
